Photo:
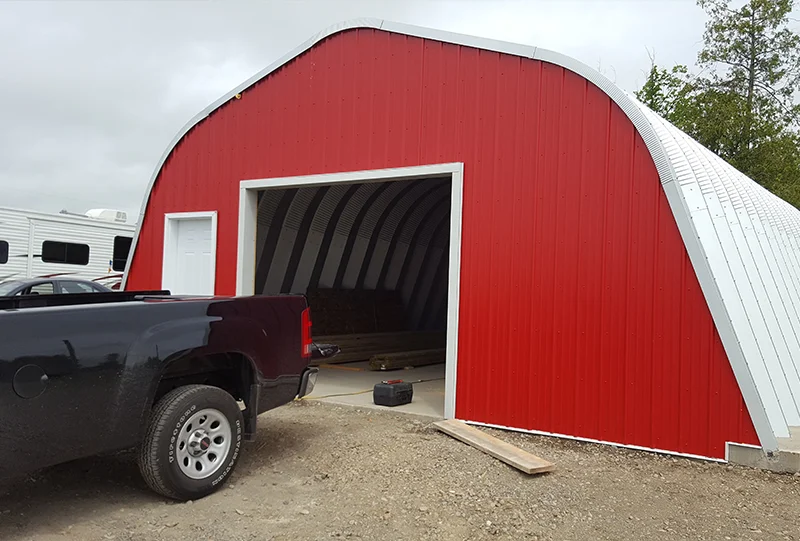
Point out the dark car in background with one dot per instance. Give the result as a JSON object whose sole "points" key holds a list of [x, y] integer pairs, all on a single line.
{"points": [[50, 286]]}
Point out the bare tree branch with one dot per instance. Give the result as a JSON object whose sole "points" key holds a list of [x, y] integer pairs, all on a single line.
{"points": [[778, 100]]}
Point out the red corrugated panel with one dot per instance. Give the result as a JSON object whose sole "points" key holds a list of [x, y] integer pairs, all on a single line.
{"points": [[580, 312]]}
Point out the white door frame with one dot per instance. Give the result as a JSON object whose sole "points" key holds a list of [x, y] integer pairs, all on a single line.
{"points": [[248, 212], [171, 220]]}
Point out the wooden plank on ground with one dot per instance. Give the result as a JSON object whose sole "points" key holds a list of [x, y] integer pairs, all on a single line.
{"points": [[511, 455]]}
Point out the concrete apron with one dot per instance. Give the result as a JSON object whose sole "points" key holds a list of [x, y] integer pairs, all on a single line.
{"points": [[349, 378]]}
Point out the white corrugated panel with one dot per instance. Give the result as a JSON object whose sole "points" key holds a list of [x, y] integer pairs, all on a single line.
{"points": [[744, 244], [752, 247]]}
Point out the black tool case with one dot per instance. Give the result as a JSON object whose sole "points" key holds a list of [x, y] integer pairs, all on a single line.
{"points": [[392, 393]]}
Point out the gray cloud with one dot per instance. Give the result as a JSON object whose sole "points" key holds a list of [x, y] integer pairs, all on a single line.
{"points": [[91, 93]]}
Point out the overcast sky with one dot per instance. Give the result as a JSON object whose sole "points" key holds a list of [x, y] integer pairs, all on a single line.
{"points": [[91, 93]]}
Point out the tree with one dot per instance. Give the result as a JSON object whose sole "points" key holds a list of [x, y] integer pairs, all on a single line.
{"points": [[760, 57], [664, 89], [741, 106]]}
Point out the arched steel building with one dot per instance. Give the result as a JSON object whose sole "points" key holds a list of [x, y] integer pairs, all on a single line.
{"points": [[600, 274]]}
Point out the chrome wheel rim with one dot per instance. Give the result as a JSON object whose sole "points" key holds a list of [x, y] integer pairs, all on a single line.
{"points": [[204, 443]]}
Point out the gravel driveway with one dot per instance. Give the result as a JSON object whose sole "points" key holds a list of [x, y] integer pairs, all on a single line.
{"points": [[330, 472]]}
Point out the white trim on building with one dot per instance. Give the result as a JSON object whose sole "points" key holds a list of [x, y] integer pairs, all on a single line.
{"points": [[246, 252]]}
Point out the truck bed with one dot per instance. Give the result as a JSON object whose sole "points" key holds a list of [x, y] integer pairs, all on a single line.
{"points": [[38, 301]]}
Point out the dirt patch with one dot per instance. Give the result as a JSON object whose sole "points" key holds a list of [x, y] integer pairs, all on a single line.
{"points": [[330, 472]]}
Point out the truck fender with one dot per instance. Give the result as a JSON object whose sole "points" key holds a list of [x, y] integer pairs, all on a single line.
{"points": [[144, 364]]}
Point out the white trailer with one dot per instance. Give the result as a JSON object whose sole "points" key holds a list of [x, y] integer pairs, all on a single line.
{"points": [[94, 246]]}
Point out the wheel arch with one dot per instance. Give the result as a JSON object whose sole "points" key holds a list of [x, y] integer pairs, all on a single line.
{"points": [[233, 371]]}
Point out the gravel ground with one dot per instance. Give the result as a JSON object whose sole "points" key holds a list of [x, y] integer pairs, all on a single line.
{"points": [[329, 472]]}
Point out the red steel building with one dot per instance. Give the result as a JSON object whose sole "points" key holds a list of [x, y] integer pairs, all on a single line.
{"points": [[599, 274]]}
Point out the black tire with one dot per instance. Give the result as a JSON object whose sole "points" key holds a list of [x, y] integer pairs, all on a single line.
{"points": [[158, 461]]}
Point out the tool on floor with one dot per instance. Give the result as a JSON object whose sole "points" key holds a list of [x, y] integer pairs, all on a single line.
{"points": [[393, 392]]}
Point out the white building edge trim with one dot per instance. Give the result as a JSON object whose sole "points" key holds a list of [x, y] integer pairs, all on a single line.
{"points": [[631, 447], [730, 288], [246, 253]]}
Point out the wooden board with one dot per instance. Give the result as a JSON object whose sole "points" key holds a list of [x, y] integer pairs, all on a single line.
{"points": [[362, 347], [511, 455], [403, 359], [379, 336]]}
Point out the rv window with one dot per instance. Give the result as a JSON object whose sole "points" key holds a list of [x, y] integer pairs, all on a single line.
{"points": [[3, 252], [122, 246], [65, 252]]}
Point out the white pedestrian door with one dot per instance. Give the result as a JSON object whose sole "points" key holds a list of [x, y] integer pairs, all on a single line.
{"points": [[189, 257]]}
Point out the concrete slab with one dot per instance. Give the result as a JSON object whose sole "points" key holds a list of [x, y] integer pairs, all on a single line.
{"points": [[346, 379], [754, 457], [792, 443]]}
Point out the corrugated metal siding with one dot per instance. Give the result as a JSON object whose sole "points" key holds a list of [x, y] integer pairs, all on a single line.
{"points": [[751, 238], [16, 226], [580, 311], [411, 259]]}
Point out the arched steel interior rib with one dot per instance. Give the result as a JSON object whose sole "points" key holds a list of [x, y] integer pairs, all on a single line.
{"points": [[387, 235]]}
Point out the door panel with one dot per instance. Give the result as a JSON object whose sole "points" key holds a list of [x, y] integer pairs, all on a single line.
{"points": [[60, 380], [189, 261]]}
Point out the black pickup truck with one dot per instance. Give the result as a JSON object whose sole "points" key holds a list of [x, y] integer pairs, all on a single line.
{"points": [[181, 379]]}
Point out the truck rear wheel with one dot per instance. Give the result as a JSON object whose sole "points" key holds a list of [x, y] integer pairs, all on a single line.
{"points": [[193, 442]]}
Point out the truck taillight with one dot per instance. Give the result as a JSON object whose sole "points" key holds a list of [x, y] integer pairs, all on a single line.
{"points": [[305, 333]]}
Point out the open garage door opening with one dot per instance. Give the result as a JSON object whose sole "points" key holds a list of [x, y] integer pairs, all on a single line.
{"points": [[377, 253]]}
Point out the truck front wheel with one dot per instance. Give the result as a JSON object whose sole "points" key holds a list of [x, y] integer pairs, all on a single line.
{"points": [[193, 442]]}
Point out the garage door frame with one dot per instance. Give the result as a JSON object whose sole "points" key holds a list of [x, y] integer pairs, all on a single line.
{"points": [[246, 246]]}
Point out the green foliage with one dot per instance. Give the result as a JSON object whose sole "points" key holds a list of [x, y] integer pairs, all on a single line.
{"points": [[741, 104], [664, 90]]}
